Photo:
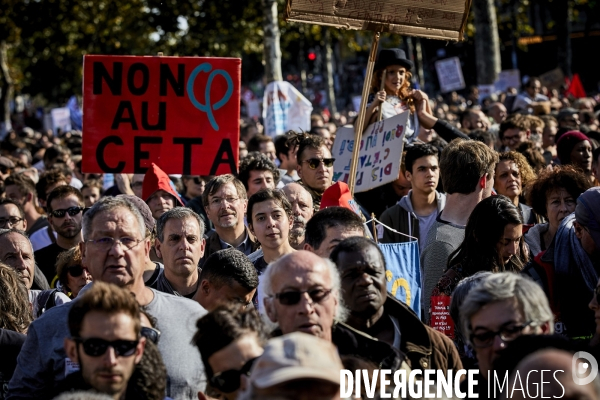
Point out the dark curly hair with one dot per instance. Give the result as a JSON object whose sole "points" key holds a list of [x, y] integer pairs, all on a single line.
{"points": [[223, 267], [304, 141], [256, 162], [567, 177]]}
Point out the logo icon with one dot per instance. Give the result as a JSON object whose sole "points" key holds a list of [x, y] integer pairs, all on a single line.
{"points": [[584, 368]]}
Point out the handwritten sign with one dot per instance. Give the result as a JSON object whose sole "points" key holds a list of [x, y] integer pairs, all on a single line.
{"points": [[284, 109], [380, 152], [61, 119], [181, 113], [435, 19], [450, 74], [440, 315], [510, 78]]}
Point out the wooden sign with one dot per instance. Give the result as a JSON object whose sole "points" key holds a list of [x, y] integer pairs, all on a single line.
{"points": [[181, 113], [434, 19]]}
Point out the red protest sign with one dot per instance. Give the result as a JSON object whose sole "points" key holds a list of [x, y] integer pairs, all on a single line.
{"points": [[181, 113], [440, 315]]}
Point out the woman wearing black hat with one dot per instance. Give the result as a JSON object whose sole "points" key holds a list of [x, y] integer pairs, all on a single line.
{"points": [[397, 97]]}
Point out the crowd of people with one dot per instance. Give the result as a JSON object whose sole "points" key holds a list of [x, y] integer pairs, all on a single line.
{"points": [[266, 283]]}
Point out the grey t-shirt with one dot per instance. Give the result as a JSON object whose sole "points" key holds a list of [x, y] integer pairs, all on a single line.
{"points": [[425, 223], [443, 238], [43, 363]]}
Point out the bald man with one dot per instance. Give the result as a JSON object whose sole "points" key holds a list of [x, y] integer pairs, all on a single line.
{"points": [[302, 210]]}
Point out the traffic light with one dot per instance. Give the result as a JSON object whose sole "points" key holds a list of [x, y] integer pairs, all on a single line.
{"points": [[311, 57]]}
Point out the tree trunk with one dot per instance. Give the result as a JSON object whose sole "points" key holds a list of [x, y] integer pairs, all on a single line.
{"points": [[420, 69], [272, 50], [329, 74], [6, 91], [562, 16], [487, 44]]}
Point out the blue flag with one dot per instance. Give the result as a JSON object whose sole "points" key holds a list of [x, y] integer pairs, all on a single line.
{"points": [[403, 272], [76, 115]]}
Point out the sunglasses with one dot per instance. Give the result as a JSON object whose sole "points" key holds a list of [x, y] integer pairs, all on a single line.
{"points": [[73, 211], [292, 298], [151, 334], [198, 180], [76, 271], [313, 163], [95, 347], [229, 381]]}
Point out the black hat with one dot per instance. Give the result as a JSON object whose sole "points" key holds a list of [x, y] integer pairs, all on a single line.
{"points": [[389, 57]]}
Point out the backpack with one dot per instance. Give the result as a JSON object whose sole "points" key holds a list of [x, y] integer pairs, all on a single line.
{"points": [[46, 300]]}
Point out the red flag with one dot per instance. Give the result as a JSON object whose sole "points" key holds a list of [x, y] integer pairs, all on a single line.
{"points": [[575, 88]]}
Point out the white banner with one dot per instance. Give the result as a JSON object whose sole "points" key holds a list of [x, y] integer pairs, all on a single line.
{"points": [[450, 74], [61, 119], [285, 108], [380, 153]]}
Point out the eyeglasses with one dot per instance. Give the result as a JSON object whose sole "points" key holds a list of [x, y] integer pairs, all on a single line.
{"points": [[198, 180], [229, 381], [76, 271], [73, 211], [12, 221], [512, 138], [507, 334], [107, 243], [313, 163], [216, 202], [95, 347], [292, 298], [151, 334]]}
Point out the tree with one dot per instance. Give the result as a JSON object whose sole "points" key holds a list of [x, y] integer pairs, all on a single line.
{"points": [[272, 49], [487, 43]]}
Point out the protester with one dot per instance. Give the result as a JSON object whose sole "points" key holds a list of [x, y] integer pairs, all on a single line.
{"points": [[473, 119], [323, 132], [493, 242], [500, 308], [330, 226], [513, 131], [302, 211], [530, 98], [553, 195], [193, 186], [137, 184], [105, 341], [15, 309], [158, 193], [72, 276], [497, 111], [468, 178], [21, 189], [49, 181], [549, 138], [92, 191], [286, 154], [258, 172], [225, 202], [41, 364], [65, 209], [227, 277], [315, 166], [296, 366], [229, 340], [513, 173], [264, 145], [270, 220], [416, 212], [574, 148], [303, 294], [12, 215], [568, 120], [180, 245], [362, 268]]}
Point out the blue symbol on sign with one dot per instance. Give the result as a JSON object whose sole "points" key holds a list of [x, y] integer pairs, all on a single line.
{"points": [[208, 108]]}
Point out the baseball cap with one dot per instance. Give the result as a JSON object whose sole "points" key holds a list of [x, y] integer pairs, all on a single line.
{"points": [[296, 356]]}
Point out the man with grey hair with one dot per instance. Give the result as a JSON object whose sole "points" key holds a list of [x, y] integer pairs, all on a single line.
{"points": [[115, 251], [499, 309], [180, 245], [303, 294]]}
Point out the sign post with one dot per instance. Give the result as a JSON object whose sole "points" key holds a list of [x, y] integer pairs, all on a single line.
{"points": [[178, 112]]}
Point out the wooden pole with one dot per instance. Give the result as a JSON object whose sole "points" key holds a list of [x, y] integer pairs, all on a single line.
{"points": [[380, 117], [374, 228], [360, 119]]}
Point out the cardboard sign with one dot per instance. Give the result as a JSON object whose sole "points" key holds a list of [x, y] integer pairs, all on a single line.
{"points": [[435, 19], [403, 273], [450, 74], [553, 79], [510, 78], [380, 152], [284, 109], [440, 315], [181, 113]]}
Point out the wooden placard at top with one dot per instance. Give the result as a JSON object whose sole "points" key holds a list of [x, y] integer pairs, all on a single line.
{"points": [[434, 19]]}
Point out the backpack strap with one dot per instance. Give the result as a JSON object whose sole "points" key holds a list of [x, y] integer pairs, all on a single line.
{"points": [[45, 301]]}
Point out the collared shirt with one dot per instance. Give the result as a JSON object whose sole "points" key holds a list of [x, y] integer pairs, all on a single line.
{"points": [[245, 247]]}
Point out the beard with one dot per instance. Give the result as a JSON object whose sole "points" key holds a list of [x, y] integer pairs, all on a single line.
{"points": [[68, 231]]}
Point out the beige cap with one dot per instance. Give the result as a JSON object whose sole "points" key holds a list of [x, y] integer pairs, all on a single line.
{"points": [[296, 356]]}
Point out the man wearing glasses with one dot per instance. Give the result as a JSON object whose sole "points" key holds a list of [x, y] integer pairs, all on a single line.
{"points": [[65, 212], [513, 132], [302, 294], [315, 166], [499, 309], [115, 251], [225, 202], [105, 340]]}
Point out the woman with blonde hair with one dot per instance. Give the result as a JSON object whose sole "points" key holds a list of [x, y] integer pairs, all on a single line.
{"points": [[15, 308]]}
